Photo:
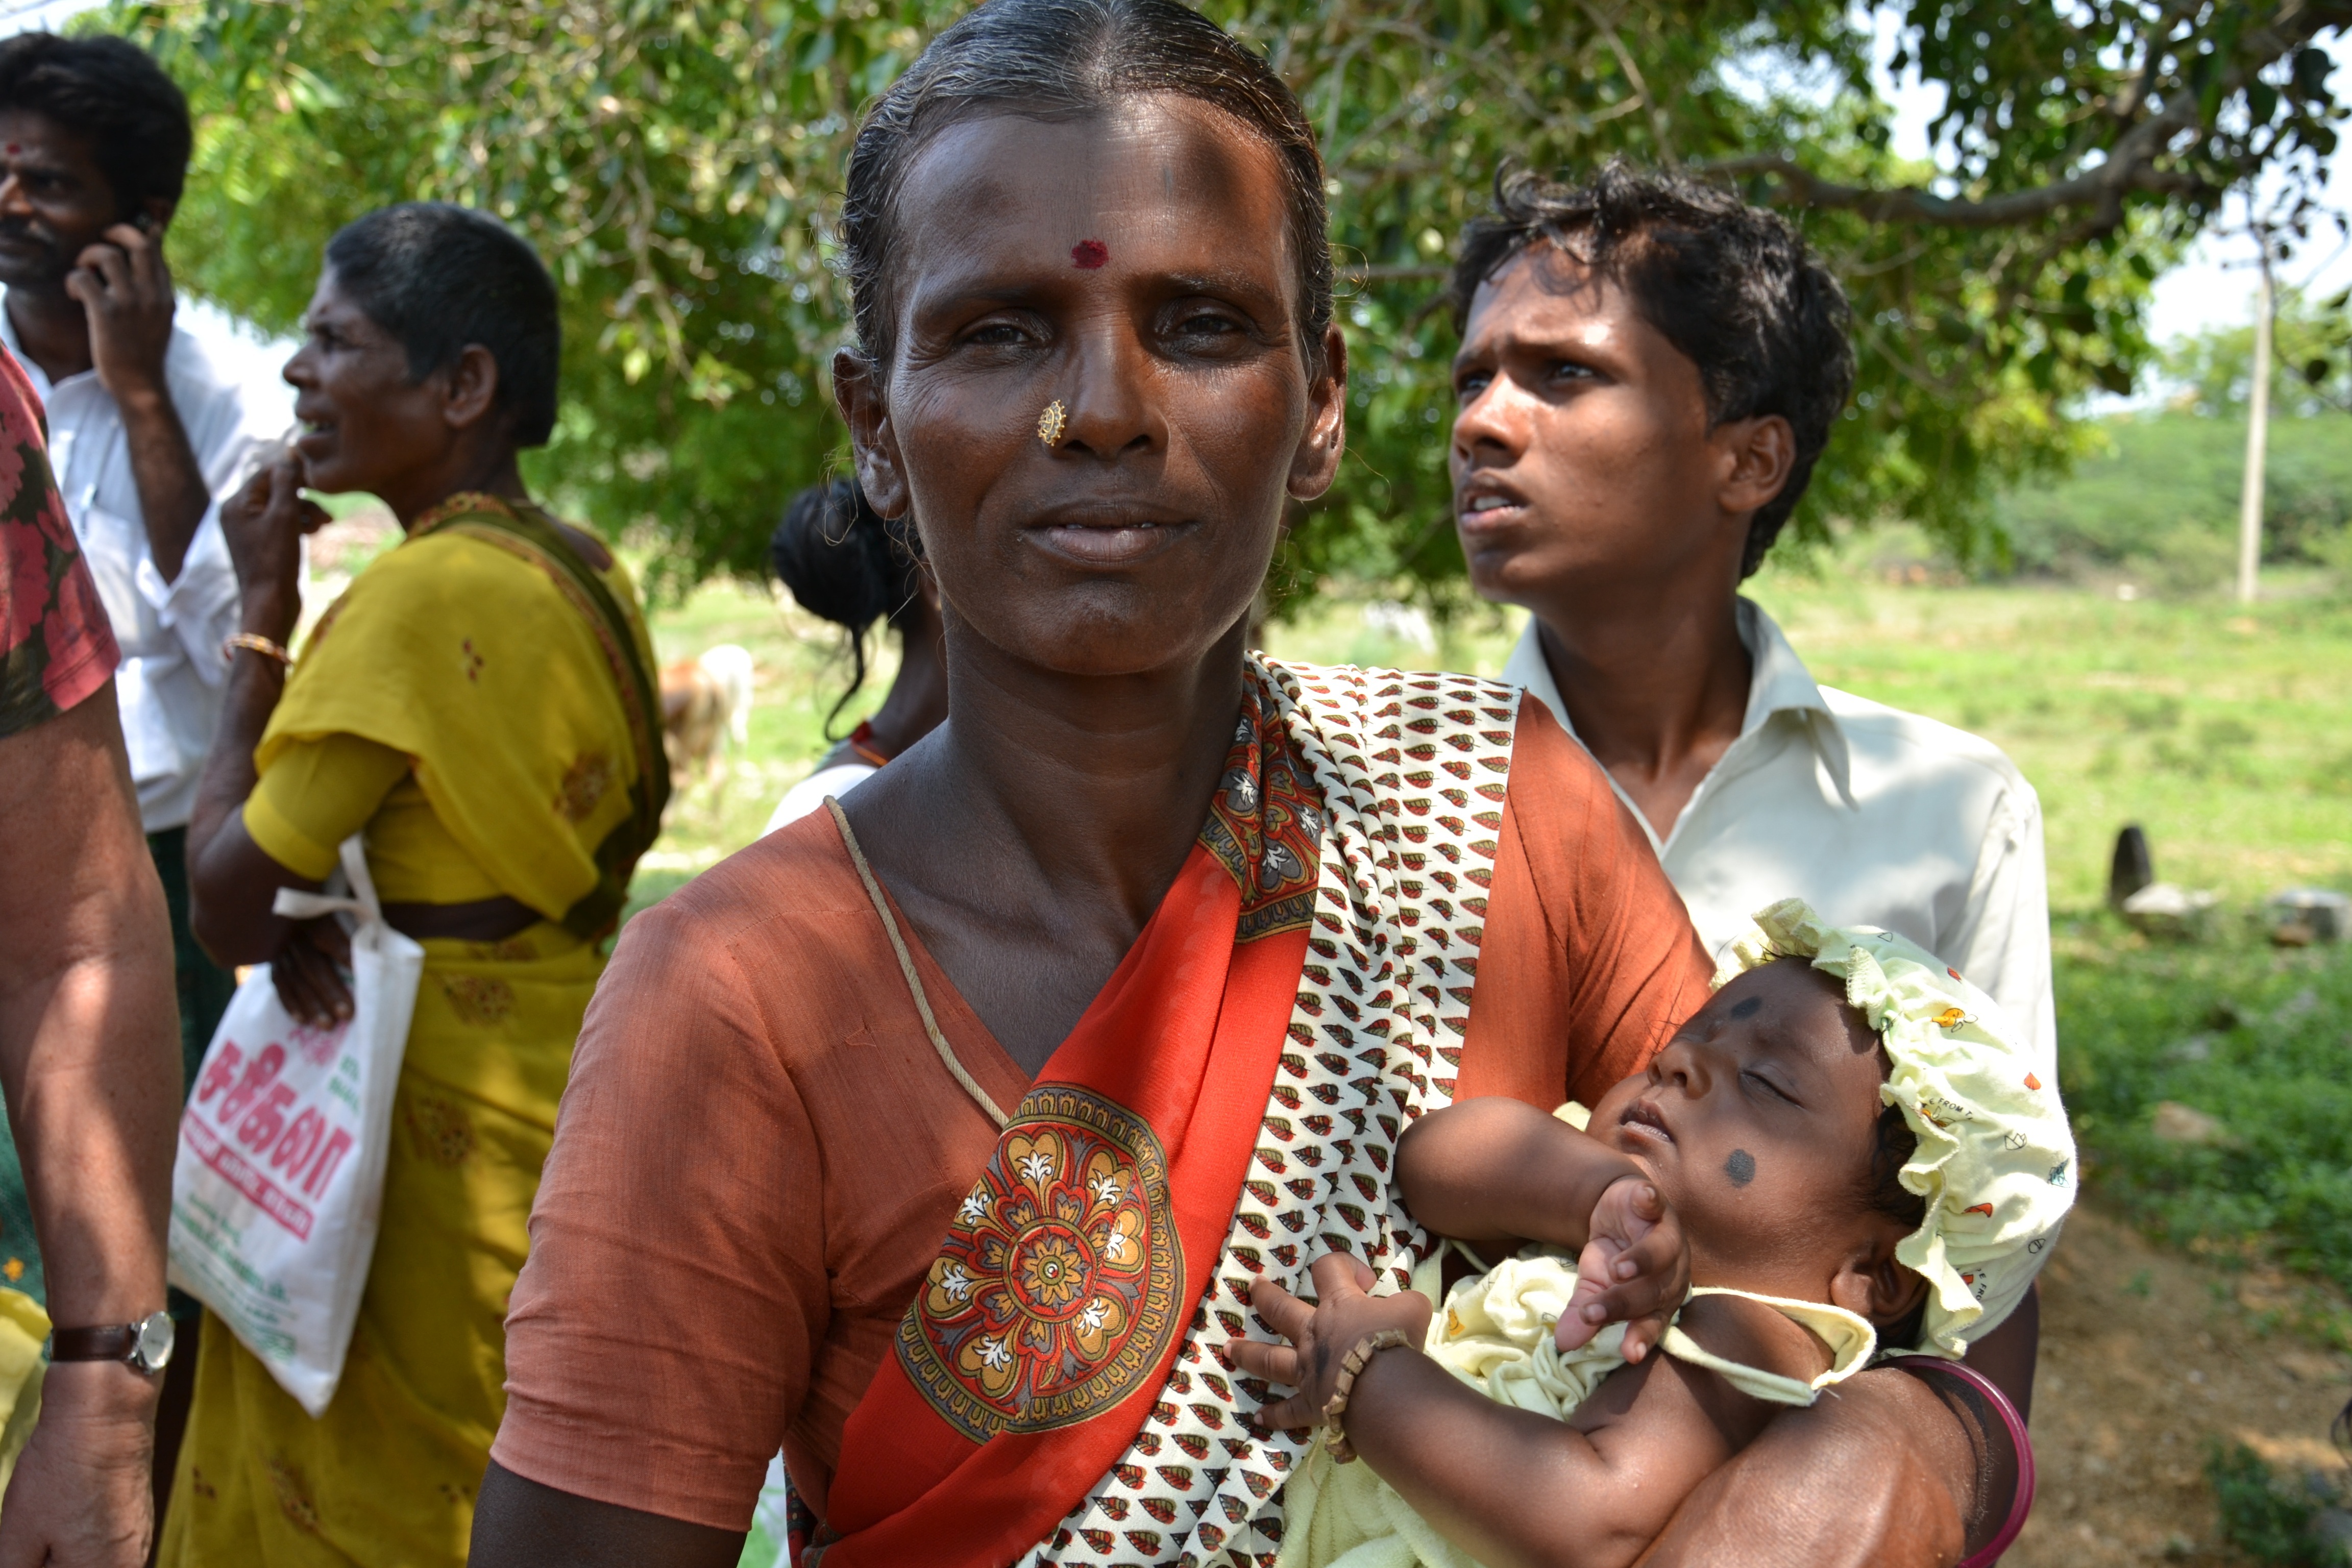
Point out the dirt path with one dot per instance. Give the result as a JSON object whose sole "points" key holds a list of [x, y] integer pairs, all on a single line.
{"points": [[2145, 1355]]}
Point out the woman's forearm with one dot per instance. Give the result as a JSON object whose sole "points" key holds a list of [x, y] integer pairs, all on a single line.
{"points": [[520, 1523], [1877, 1475], [1500, 1168], [89, 1056], [89, 1026], [231, 883]]}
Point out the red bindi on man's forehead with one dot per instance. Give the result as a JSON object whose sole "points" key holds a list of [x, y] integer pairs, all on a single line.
{"points": [[1089, 254]]}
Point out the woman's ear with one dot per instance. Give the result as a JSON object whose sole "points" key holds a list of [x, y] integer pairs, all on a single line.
{"points": [[857, 393], [1317, 462], [473, 387], [1871, 1284]]}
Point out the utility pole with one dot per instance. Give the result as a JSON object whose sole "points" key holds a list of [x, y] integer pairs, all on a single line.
{"points": [[2250, 493]]}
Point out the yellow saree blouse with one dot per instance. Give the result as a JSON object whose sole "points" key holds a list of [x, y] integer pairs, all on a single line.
{"points": [[481, 704]]}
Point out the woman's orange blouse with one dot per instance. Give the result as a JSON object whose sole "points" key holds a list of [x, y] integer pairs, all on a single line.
{"points": [[759, 1151]]}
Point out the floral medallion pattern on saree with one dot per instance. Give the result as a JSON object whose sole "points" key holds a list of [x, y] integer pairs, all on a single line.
{"points": [[1055, 1291]]}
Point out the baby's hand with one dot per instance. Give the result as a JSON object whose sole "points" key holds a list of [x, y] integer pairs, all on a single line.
{"points": [[1323, 1333], [1634, 1268]]}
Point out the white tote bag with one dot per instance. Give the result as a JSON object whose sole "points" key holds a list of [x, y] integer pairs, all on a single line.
{"points": [[278, 1183]]}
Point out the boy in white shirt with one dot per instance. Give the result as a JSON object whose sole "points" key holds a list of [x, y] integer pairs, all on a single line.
{"points": [[1649, 370]]}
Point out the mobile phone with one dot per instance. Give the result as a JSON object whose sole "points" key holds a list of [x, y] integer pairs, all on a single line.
{"points": [[143, 221]]}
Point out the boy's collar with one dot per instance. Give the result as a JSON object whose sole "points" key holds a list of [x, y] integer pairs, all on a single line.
{"points": [[1779, 684]]}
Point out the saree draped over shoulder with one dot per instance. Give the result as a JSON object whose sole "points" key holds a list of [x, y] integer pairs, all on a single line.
{"points": [[516, 681], [1305, 987]]}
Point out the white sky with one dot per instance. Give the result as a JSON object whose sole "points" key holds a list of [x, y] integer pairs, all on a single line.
{"points": [[21, 17]]}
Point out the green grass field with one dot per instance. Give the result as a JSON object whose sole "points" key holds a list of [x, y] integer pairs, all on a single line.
{"points": [[2226, 733]]}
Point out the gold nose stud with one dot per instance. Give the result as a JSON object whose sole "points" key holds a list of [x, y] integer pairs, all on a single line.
{"points": [[1050, 422]]}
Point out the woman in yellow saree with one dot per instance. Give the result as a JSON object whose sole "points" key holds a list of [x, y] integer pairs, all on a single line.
{"points": [[479, 706]]}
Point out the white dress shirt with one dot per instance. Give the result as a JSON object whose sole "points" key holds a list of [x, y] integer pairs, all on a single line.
{"points": [[172, 677], [1872, 815]]}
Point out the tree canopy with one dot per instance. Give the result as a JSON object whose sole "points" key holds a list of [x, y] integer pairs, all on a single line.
{"points": [[678, 161]]}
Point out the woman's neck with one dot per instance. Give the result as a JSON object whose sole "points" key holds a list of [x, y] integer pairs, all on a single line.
{"points": [[497, 473], [1089, 770], [1030, 838], [918, 700]]}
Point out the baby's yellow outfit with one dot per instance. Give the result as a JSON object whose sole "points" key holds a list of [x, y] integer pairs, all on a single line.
{"points": [[1495, 1333], [24, 1325]]}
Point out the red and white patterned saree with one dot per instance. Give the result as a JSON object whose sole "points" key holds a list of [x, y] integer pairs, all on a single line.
{"points": [[1225, 1112]]}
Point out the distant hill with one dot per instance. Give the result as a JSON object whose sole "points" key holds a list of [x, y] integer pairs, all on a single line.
{"points": [[2162, 500]]}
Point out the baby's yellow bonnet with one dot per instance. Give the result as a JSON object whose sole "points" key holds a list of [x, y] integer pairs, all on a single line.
{"points": [[1995, 1161]]}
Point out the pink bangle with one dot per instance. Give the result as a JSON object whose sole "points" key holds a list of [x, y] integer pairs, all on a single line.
{"points": [[2021, 1501]]}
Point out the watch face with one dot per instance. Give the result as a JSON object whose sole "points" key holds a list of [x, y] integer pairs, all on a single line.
{"points": [[155, 1338]]}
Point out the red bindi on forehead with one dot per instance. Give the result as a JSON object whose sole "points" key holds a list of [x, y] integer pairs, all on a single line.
{"points": [[1089, 254]]}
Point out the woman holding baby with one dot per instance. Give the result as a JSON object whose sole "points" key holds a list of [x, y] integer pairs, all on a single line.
{"points": [[1128, 979]]}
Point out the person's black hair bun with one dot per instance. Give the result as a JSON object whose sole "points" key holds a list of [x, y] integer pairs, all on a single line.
{"points": [[848, 564], [841, 560]]}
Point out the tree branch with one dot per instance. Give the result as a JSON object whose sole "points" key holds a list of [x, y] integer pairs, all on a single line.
{"points": [[2136, 164]]}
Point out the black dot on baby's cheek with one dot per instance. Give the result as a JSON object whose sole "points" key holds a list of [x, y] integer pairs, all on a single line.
{"points": [[1740, 1167], [1749, 1008]]}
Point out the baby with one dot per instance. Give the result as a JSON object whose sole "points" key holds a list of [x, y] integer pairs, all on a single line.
{"points": [[1844, 1149]]}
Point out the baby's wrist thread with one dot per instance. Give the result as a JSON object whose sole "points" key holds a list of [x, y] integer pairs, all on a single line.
{"points": [[1335, 1437]]}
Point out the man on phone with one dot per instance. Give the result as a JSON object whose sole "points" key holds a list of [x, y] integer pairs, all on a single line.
{"points": [[146, 427]]}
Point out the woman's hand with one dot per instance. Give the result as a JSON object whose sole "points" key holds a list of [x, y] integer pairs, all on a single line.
{"points": [[1321, 1335], [1635, 1268], [308, 972], [264, 524]]}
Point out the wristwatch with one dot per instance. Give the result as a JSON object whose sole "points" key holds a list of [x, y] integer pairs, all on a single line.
{"points": [[146, 1344]]}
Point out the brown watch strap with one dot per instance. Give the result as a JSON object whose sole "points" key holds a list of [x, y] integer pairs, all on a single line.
{"points": [[115, 1341]]}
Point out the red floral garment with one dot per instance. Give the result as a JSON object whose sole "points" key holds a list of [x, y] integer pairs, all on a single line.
{"points": [[56, 647]]}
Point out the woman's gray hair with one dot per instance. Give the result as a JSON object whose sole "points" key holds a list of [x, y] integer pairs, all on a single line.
{"points": [[440, 278], [1070, 60]]}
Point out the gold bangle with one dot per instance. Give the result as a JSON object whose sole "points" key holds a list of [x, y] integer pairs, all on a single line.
{"points": [[259, 644], [1335, 1441]]}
